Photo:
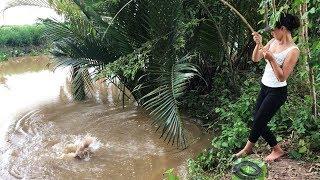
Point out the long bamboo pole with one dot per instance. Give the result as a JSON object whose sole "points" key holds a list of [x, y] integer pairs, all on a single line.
{"points": [[238, 13], [242, 18]]}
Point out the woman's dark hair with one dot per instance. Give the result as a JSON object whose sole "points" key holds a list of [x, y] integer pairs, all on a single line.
{"points": [[291, 22]]}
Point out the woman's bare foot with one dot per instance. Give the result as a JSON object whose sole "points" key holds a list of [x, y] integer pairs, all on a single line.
{"points": [[247, 150], [276, 153], [243, 153]]}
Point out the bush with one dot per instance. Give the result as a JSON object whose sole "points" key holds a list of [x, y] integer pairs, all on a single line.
{"points": [[25, 35], [235, 118]]}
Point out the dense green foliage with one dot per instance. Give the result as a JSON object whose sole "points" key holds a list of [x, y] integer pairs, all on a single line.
{"points": [[22, 40], [141, 33], [26, 35]]}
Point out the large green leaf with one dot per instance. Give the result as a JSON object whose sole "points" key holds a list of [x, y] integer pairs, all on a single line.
{"points": [[162, 101]]}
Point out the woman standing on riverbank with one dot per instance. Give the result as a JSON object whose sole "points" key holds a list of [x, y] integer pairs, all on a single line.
{"points": [[281, 55]]}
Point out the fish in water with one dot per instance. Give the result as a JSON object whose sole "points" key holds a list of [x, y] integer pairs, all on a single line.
{"points": [[80, 151]]}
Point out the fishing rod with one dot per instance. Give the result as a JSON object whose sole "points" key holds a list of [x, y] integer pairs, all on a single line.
{"points": [[267, 28]]}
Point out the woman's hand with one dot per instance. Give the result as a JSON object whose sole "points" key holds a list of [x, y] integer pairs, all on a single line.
{"points": [[257, 38], [268, 56]]}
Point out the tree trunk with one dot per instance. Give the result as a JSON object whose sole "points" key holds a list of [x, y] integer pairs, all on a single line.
{"points": [[307, 54]]}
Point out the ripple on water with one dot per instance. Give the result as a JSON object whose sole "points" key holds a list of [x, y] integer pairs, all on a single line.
{"points": [[127, 146]]}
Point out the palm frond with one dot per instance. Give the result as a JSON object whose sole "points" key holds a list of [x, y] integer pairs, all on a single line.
{"points": [[90, 13], [162, 101], [77, 84], [115, 16]]}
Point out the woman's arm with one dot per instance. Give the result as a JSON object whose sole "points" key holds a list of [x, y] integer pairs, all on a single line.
{"points": [[256, 54], [283, 73]]}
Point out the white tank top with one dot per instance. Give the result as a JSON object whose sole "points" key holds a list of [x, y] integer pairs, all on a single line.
{"points": [[269, 78]]}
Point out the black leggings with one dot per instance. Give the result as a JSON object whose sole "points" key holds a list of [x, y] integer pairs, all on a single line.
{"points": [[268, 103]]}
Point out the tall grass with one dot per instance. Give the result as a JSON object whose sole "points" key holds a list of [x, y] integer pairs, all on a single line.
{"points": [[25, 35], [22, 40]]}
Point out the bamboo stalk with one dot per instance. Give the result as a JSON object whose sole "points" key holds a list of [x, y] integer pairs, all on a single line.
{"points": [[274, 6], [306, 50], [241, 17], [238, 13], [266, 10]]}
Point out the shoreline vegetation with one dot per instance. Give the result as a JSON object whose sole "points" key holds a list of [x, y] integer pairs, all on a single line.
{"points": [[22, 40]]}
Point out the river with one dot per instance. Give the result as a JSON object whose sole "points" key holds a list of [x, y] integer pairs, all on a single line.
{"points": [[38, 120]]}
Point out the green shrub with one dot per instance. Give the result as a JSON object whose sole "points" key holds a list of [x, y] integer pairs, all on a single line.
{"points": [[235, 118], [25, 35]]}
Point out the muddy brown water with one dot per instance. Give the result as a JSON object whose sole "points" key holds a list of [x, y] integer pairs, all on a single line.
{"points": [[38, 119]]}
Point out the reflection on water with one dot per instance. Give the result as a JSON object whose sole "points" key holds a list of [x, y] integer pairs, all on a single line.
{"points": [[25, 87], [38, 121]]}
